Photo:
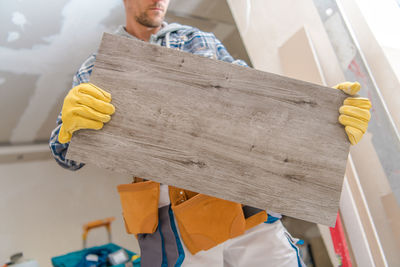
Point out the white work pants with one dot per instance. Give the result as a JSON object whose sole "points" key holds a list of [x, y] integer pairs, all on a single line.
{"points": [[261, 246]]}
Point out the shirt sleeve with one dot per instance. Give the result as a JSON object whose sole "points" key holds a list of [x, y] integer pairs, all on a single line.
{"points": [[57, 149], [223, 54]]}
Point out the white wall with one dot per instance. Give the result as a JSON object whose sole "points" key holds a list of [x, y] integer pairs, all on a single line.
{"points": [[43, 208], [383, 19], [265, 25]]}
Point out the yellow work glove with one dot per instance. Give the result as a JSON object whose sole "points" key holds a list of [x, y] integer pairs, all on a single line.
{"points": [[354, 114], [85, 107]]}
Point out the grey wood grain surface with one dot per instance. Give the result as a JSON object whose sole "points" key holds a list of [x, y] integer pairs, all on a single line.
{"points": [[220, 129]]}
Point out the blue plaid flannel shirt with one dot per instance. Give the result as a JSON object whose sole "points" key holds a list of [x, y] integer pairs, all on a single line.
{"points": [[176, 36]]}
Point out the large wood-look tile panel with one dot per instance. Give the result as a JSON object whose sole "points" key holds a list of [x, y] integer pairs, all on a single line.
{"points": [[216, 128]]}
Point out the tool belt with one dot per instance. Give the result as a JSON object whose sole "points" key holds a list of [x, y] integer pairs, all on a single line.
{"points": [[203, 221]]}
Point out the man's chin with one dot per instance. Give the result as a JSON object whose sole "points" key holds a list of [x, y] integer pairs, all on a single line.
{"points": [[156, 20], [149, 21], [153, 24]]}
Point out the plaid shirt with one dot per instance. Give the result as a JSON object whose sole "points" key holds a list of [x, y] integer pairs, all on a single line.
{"points": [[173, 35]]}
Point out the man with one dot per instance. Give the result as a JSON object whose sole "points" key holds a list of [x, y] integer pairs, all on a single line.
{"points": [[174, 226]]}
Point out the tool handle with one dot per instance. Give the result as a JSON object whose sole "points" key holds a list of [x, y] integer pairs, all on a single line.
{"points": [[95, 224]]}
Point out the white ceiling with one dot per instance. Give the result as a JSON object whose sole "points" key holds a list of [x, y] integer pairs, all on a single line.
{"points": [[43, 42]]}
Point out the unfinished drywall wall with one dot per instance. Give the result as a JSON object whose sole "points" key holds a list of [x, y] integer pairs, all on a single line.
{"points": [[44, 206], [265, 25], [386, 80]]}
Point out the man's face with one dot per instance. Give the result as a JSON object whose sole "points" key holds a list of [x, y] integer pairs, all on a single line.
{"points": [[149, 13]]}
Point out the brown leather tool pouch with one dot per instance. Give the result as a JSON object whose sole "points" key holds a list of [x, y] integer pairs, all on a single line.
{"points": [[256, 219], [205, 221], [140, 206]]}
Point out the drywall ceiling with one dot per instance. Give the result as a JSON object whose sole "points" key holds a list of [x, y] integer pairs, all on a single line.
{"points": [[43, 43]]}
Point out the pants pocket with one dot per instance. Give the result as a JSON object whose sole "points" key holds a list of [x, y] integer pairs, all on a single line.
{"points": [[205, 221], [139, 203]]}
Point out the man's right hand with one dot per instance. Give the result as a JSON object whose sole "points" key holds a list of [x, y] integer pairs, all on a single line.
{"points": [[85, 107]]}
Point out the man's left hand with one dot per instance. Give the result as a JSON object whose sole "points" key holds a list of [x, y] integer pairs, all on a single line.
{"points": [[354, 114]]}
